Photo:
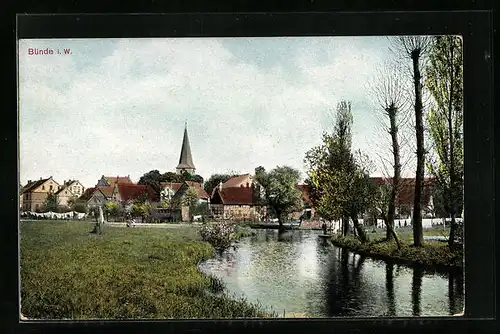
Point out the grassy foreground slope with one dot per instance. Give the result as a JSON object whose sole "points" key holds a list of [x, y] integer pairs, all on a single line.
{"points": [[126, 273]]}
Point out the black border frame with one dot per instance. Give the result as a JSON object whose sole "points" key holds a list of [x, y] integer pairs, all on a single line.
{"points": [[476, 29]]}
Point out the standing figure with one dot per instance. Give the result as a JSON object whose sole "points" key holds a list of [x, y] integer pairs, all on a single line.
{"points": [[323, 226], [99, 221]]}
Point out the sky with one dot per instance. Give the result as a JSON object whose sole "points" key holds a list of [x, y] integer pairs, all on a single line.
{"points": [[118, 106]]}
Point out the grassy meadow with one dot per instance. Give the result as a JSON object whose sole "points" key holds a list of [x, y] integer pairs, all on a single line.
{"points": [[126, 273]]}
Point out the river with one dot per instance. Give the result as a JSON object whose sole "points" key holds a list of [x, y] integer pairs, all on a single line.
{"points": [[299, 273]]}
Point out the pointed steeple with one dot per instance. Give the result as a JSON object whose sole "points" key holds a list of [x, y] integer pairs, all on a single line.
{"points": [[185, 159]]}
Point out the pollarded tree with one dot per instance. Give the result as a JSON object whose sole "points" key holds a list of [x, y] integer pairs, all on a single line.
{"points": [[415, 48], [280, 191], [390, 96], [445, 120]]}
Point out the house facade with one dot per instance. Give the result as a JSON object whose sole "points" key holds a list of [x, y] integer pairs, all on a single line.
{"points": [[70, 189], [239, 198], [75, 187], [94, 197], [168, 190], [35, 193], [64, 195]]}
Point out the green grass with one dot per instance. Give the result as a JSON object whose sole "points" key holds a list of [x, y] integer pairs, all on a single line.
{"points": [[126, 273], [432, 254], [406, 234]]}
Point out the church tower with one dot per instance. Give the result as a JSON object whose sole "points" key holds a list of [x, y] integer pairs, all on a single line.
{"points": [[185, 160]]}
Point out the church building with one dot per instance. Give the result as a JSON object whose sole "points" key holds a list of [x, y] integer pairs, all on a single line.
{"points": [[185, 160]]}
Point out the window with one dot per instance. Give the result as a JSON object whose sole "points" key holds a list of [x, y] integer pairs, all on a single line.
{"points": [[26, 196], [50, 187], [36, 206], [43, 187]]}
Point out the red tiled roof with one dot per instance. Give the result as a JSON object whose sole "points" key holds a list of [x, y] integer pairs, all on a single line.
{"points": [[106, 190], [236, 195], [87, 194], [132, 191], [234, 181], [35, 184], [407, 189], [304, 188], [201, 192], [112, 180], [173, 185]]}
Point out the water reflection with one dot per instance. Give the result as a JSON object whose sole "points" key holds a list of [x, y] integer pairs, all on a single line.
{"points": [[389, 287], [298, 272]]}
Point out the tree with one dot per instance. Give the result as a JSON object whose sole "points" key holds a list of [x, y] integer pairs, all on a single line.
{"points": [[445, 119], [415, 49], [281, 193], [388, 90], [140, 209], [51, 203], [72, 202], [152, 179], [112, 209], [80, 206], [214, 181], [175, 203], [340, 183], [172, 177], [190, 197], [195, 178]]}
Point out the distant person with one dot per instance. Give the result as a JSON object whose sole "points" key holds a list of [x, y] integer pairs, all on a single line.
{"points": [[323, 227]]}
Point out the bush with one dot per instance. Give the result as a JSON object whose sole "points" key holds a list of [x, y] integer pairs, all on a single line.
{"points": [[219, 235]]}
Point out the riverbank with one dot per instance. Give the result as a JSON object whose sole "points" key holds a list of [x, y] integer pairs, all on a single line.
{"points": [[126, 273], [433, 254]]}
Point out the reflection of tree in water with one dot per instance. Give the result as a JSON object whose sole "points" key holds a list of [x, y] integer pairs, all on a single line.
{"points": [[455, 292], [389, 287], [344, 285], [416, 289]]}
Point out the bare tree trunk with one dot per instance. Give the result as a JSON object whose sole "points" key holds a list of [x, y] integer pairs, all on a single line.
{"points": [[452, 169], [392, 111], [345, 226], [281, 227], [359, 229], [418, 238]]}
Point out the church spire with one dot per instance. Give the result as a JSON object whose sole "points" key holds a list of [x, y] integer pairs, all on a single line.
{"points": [[185, 159]]}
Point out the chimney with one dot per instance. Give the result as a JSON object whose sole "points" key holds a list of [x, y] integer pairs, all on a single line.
{"points": [[40, 178], [220, 185]]}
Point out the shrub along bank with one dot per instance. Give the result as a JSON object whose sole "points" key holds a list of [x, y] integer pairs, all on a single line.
{"points": [[432, 254], [68, 273]]}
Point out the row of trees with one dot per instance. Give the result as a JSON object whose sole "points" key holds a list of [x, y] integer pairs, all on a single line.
{"points": [[339, 177], [153, 178]]}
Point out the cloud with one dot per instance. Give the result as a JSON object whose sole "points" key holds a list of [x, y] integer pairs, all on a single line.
{"points": [[119, 106]]}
